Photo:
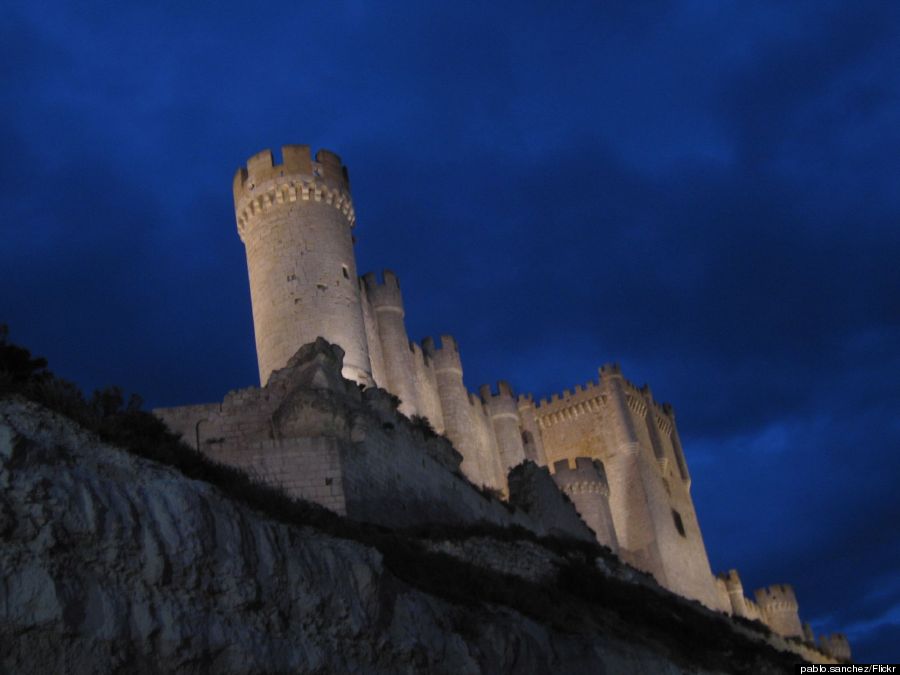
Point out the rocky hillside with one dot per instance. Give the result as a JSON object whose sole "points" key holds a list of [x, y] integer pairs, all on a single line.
{"points": [[114, 563]]}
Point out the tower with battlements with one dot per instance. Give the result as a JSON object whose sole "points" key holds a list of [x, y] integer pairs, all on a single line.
{"points": [[611, 448], [779, 609], [294, 219], [586, 485]]}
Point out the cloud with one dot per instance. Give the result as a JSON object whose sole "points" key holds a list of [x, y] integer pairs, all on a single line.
{"points": [[704, 194]]}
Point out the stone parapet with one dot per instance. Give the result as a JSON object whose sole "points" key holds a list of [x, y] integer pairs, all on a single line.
{"points": [[263, 183]]}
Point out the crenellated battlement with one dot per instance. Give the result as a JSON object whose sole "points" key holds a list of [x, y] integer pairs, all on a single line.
{"points": [[570, 405], [779, 609], [446, 342], [478, 405], [388, 278], [504, 391], [631, 388], [587, 476], [445, 357], [384, 294], [640, 399], [835, 645], [778, 597], [294, 215], [567, 396], [264, 184], [610, 370], [656, 406], [613, 370], [642, 396], [664, 423], [292, 211], [419, 356], [297, 162], [732, 580], [636, 404], [501, 404]]}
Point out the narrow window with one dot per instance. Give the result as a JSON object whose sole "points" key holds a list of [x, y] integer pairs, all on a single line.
{"points": [[679, 525], [345, 271]]}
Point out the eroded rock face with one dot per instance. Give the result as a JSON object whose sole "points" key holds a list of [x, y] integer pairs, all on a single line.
{"points": [[111, 563]]}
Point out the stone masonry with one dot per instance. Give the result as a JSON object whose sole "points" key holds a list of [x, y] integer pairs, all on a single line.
{"points": [[610, 446], [322, 438]]}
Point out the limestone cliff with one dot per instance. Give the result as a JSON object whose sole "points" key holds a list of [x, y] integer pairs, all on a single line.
{"points": [[113, 563]]}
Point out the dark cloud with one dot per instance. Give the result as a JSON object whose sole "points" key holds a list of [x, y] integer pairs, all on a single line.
{"points": [[706, 195]]}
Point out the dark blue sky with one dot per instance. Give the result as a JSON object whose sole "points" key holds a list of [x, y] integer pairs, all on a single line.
{"points": [[704, 192]]}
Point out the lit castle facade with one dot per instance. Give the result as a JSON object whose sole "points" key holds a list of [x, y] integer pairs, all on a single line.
{"points": [[608, 445]]}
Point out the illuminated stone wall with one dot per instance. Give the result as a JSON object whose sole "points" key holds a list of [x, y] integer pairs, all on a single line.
{"points": [[295, 218], [320, 438]]}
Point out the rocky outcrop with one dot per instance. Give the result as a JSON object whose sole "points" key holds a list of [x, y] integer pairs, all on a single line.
{"points": [[112, 563]]}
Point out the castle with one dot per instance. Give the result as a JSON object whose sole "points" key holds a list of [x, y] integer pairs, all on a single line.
{"points": [[363, 450]]}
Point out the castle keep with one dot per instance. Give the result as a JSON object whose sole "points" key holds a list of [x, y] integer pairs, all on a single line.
{"points": [[608, 445]]}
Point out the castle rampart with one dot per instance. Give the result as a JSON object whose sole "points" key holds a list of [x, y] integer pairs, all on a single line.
{"points": [[779, 609], [316, 435], [615, 450]]}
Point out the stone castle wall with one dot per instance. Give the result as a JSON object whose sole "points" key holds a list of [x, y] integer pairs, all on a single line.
{"points": [[295, 219], [776, 606], [316, 435]]}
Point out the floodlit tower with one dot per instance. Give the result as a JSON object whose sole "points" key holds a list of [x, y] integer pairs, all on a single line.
{"points": [[294, 219]]}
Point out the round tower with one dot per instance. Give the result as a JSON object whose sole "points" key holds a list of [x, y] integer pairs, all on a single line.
{"points": [[460, 424], [504, 414], [294, 219], [779, 608], [735, 589], [387, 303], [587, 487]]}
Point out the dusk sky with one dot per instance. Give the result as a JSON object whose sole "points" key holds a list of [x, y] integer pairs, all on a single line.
{"points": [[706, 192]]}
